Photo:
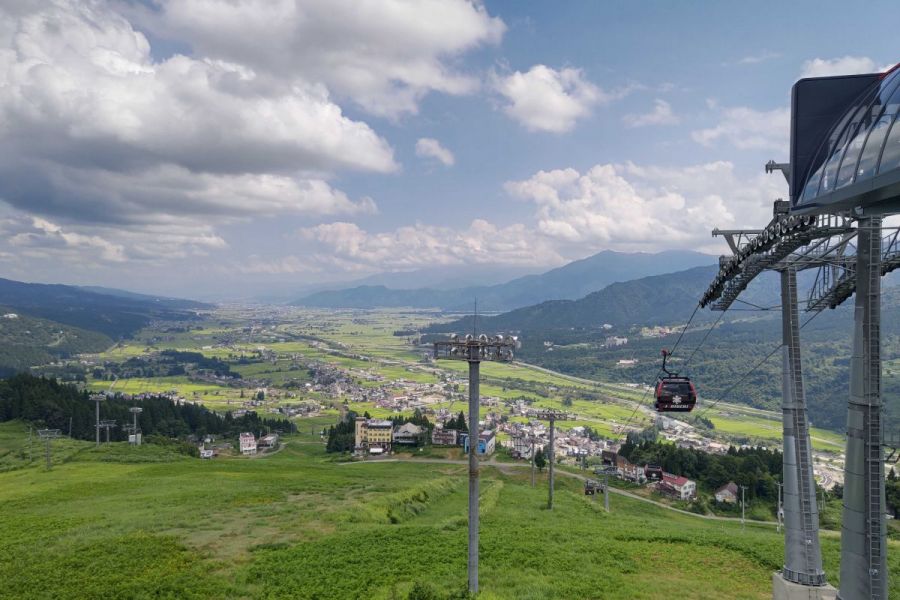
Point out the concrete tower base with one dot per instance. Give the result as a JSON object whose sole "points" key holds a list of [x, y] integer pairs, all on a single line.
{"points": [[786, 590]]}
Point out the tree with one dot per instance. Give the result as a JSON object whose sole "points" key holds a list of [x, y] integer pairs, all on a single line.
{"points": [[540, 461]]}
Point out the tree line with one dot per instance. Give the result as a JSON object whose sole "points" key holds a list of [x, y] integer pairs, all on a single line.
{"points": [[46, 403], [757, 468]]}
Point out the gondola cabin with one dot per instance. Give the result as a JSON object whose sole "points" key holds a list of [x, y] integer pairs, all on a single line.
{"points": [[673, 392]]}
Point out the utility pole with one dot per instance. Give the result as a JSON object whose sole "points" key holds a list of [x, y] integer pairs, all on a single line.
{"points": [[48, 435], [97, 398], [778, 507], [551, 415], [743, 505], [473, 350], [532, 461]]}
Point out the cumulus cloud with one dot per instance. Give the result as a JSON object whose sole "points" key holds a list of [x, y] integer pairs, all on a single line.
{"points": [[384, 55], [845, 65], [352, 248], [626, 207], [662, 114], [746, 128], [94, 131], [431, 148], [544, 99], [93, 246], [632, 207]]}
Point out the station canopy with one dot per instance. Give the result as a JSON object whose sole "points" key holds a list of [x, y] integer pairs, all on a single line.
{"points": [[845, 143]]}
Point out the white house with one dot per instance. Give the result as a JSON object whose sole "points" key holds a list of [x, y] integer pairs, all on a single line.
{"points": [[248, 443], [727, 493], [682, 487]]}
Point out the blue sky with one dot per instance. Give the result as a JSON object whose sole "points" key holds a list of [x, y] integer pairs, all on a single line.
{"points": [[212, 148]]}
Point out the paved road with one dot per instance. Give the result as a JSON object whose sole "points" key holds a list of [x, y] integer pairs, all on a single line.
{"points": [[504, 466]]}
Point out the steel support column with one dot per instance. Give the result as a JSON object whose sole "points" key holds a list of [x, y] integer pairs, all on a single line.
{"points": [[552, 453], [474, 368], [863, 531], [802, 553]]}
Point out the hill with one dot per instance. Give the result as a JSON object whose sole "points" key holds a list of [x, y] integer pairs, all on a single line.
{"points": [[567, 336], [115, 316], [273, 527], [176, 303], [570, 281], [656, 300], [26, 341]]}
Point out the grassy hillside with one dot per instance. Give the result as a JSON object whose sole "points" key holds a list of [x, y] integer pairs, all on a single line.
{"points": [[298, 525]]}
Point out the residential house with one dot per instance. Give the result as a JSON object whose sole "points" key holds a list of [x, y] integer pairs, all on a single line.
{"points": [[727, 493], [444, 437], [408, 434], [677, 486], [486, 442], [268, 441]]}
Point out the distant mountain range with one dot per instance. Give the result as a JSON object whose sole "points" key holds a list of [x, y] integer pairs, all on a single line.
{"points": [[654, 300], [568, 282]]}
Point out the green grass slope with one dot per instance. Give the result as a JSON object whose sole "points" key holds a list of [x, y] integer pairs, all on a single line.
{"points": [[299, 525]]}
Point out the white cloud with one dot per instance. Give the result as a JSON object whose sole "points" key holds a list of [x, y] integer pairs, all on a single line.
{"points": [[755, 59], [749, 129], [384, 55], [431, 148], [96, 132], [96, 246], [661, 114], [544, 99], [626, 207], [845, 65], [632, 207], [352, 248]]}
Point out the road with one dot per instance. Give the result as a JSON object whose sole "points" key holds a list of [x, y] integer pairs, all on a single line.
{"points": [[504, 466]]}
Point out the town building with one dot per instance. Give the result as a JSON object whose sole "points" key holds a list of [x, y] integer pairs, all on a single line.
{"points": [[677, 486], [444, 437], [613, 340], [521, 447], [408, 434], [207, 453], [728, 493], [248, 443], [373, 435], [268, 441], [486, 442]]}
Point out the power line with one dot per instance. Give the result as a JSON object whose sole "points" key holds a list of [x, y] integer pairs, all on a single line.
{"points": [[750, 372], [671, 352]]}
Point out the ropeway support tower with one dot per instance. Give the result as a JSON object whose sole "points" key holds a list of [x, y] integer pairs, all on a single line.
{"points": [[843, 173]]}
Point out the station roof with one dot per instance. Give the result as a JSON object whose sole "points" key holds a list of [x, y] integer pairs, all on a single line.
{"points": [[858, 161]]}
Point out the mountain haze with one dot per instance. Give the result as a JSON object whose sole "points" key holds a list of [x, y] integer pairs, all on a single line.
{"points": [[568, 282]]}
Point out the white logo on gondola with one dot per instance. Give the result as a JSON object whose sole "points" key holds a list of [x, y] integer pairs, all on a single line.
{"points": [[676, 399]]}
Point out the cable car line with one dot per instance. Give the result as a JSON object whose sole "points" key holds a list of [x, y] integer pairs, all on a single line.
{"points": [[658, 373], [754, 368]]}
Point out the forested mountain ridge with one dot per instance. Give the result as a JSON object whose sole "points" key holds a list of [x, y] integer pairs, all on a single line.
{"points": [[113, 316], [26, 341]]}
